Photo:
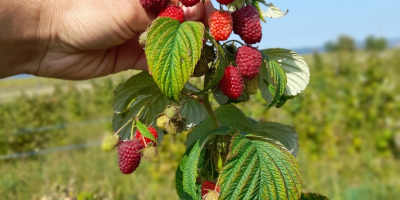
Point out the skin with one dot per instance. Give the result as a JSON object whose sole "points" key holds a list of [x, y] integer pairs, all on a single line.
{"points": [[76, 40]]}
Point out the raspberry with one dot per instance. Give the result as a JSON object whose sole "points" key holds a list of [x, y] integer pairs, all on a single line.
{"points": [[173, 12], [150, 153], [211, 195], [154, 5], [109, 142], [248, 60], [220, 24], [129, 155], [208, 186], [201, 68], [246, 23], [189, 3], [225, 2], [146, 141], [251, 85], [161, 121], [231, 83]]}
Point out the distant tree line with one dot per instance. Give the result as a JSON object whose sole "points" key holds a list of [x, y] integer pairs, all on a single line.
{"points": [[347, 43]]}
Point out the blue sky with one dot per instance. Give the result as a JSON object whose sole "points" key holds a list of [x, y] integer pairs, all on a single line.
{"points": [[311, 23]]}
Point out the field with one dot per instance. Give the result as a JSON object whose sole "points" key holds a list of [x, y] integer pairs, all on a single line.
{"points": [[347, 120]]}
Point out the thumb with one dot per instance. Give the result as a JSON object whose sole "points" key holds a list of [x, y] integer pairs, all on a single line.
{"points": [[194, 13]]}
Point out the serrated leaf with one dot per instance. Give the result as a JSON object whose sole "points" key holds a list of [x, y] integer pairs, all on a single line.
{"points": [[286, 135], [312, 196], [144, 131], [193, 112], [190, 171], [272, 81], [220, 65], [273, 12], [258, 8], [256, 169], [179, 178], [172, 51], [228, 116], [297, 71]]}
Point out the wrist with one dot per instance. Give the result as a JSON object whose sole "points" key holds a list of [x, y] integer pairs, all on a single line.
{"points": [[22, 37]]}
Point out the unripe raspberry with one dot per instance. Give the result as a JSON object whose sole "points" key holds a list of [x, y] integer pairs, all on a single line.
{"points": [[248, 60], [189, 3], [231, 83], [150, 153], [251, 85], [173, 12], [109, 142], [201, 68], [220, 24], [154, 5], [129, 155], [211, 195], [246, 23], [161, 121]]}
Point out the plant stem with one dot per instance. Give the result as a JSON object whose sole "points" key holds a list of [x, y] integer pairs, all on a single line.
{"points": [[207, 104]]}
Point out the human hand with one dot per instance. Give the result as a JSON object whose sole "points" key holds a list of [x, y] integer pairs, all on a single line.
{"points": [[91, 38]]}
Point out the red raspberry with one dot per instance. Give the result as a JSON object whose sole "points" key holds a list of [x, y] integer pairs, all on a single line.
{"points": [[246, 23], [207, 186], [154, 5], [248, 60], [173, 12], [129, 155], [189, 3], [146, 141], [220, 24], [225, 2], [231, 83]]}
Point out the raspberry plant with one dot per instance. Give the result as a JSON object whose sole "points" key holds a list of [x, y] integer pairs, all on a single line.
{"points": [[241, 157]]}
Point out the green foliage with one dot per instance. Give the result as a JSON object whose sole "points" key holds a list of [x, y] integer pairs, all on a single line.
{"points": [[375, 44], [172, 51], [312, 196], [344, 43], [256, 169]]}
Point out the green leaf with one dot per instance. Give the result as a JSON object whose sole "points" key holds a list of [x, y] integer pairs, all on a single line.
{"points": [[220, 65], [297, 71], [179, 178], [119, 120], [145, 132], [193, 112], [228, 116], [190, 171], [286, 135], [312, 196], [237, 4], [172, 51], [273, 12], [139, 84], [256, 4], [272, 81], [256, 169]]}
